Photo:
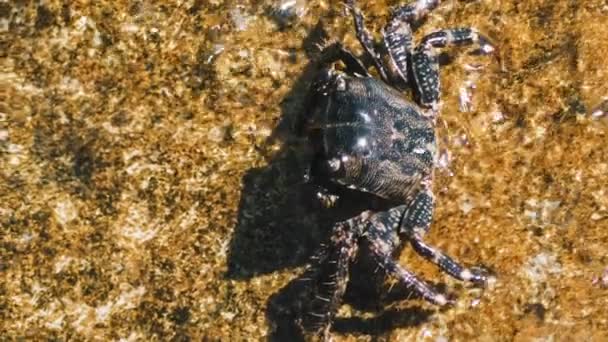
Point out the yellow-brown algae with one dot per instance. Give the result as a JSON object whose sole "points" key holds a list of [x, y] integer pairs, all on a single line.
{"points": [[139, 200]]}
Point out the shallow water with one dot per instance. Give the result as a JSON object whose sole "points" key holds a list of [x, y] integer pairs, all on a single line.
{"points": [[150, 187]]}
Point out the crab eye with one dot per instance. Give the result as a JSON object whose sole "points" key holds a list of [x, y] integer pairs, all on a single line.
{"points": [[334, 164], [365, 116], [363, 146], [362, 143], [340, 83]]}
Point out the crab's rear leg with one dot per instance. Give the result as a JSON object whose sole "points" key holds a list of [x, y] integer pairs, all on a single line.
{"points": [[330, 273], [416, 222], [381, 234], [425, 66]]}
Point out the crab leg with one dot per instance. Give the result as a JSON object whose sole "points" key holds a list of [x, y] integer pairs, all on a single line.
{"points": [[457, 36], [424, 61], [398, 33], [381, 226], [336, 52], [446, 263], [378, 233], [414, 11], [398, 41], [366, 39], [416, 222], [331, 274]]}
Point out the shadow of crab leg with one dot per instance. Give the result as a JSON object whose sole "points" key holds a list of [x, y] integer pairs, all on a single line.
{"points": [[416, 222], [336, 52], [381, 234], [331, 274], [366, 39], [424, 61]]}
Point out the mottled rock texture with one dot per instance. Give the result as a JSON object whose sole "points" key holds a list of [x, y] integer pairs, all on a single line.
{"points": [[140, 197]]}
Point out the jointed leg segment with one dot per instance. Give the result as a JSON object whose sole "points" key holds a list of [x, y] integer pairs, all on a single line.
{"points": [[424, 61], [444, 262], [416, 222], [336, 52], [378, 234], [330, 272], [415, 11], [366, 39]]}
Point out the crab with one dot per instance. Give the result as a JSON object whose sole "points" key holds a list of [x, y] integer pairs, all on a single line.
{"points": [[366, 136]]}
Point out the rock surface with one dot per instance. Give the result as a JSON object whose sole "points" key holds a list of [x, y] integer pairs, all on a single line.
{"points": [[140, 197]]}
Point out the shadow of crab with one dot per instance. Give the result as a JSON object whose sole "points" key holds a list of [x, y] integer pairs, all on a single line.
{"points": [[277, 224], [281, 224]]}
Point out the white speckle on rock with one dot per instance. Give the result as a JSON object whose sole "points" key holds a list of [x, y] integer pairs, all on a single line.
{"points": [[65, 211], [82, 314], [227, 315], [82, 23], [134, 336], [130, 154], [139, 234], [543, 209], [466, 204], [530, 214], [128, 299], [103, 312], [464, 99], [578, 175], [14, 160], [286, 11], [62, 262], [56, 324], [240, 19], [129, 28], [243, 53], [71, 85], [540, 267], [14, 149], [601, 110], [97, 41], [540, 132], [219, 134], [25, 238], [547, 209], [602, 281], [136, 227], [497, 116]]}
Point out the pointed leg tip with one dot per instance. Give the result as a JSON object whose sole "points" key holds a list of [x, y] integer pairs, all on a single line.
{"points": [[443, 300], [490, 282]]}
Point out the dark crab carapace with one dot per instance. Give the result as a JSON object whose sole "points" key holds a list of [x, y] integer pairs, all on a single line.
{"points": [[368, 137]]}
